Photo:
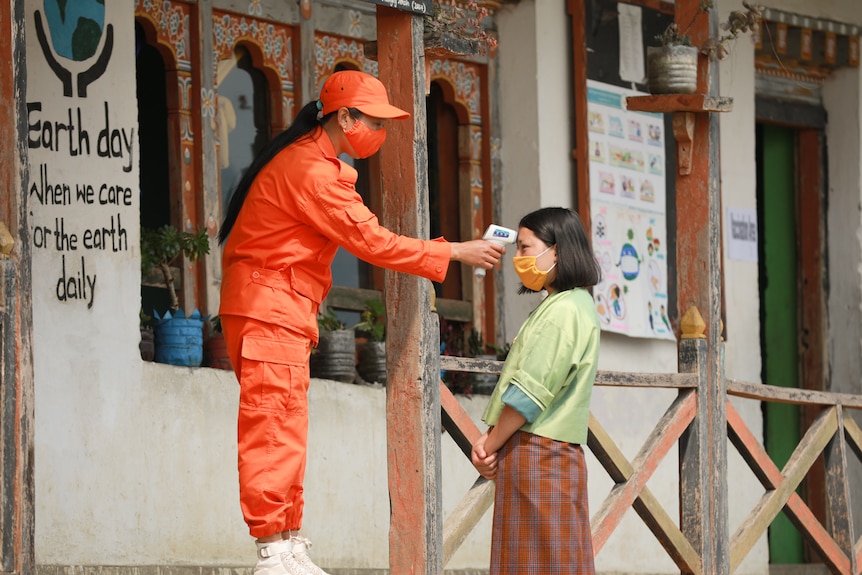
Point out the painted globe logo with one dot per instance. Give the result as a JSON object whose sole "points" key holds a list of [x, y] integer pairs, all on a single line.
{"points": [[629, 263], [76, 27]]}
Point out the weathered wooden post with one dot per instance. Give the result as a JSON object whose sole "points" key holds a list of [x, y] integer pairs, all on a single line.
{"points": [[838, 493], [412, 392], [703, 489], [17, 488], [703, 452]]}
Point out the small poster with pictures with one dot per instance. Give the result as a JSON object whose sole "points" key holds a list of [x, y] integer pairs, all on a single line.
{"points": [[628, 211]]}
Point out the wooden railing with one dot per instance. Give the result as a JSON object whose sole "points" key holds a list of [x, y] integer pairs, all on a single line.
{"points": [[703, 469]]}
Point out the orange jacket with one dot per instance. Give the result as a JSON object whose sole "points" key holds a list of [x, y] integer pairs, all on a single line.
{"points": [[300, 208]]}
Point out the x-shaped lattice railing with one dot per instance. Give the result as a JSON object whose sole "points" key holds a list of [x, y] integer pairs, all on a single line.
{"points": [[631, 477], [781, 486]]}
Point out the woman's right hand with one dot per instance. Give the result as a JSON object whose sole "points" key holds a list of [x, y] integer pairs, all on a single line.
{"points": [[485, 464], [477, 253]]}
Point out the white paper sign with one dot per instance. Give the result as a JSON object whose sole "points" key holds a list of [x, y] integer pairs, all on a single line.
{"points": [[742, 234], [631, 44]]}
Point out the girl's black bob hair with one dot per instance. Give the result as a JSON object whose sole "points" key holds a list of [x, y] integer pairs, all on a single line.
{"points": [[576, 263]]}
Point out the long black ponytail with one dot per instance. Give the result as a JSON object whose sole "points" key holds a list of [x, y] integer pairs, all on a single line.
{"points": [[303, 126]]}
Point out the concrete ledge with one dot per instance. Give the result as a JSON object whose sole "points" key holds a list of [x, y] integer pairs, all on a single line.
{"points": [[198, 570], [799, 569]]}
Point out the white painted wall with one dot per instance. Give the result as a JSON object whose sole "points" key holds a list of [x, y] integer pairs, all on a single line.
{"points": [[88, 427], [520, 140]]}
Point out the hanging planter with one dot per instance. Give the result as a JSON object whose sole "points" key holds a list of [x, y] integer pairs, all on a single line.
{"points": [[672, 69]]}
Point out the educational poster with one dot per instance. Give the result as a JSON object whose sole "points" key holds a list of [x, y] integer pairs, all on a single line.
{"points": [[627, 191]]}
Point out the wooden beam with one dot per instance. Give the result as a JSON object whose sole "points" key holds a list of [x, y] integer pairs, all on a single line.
{"points": [[413, 336], [466, 515], [662, 103], [791, 395], [578, 15], [457, 422]]}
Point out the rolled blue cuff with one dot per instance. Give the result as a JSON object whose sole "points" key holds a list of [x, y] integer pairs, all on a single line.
{"points": [[520, 402]]}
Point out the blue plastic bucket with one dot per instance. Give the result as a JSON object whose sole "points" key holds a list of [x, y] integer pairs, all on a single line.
{"points": [[179, 341]]}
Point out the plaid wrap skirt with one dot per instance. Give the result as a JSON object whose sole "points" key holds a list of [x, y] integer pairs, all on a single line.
{"points": [[541, 512]]}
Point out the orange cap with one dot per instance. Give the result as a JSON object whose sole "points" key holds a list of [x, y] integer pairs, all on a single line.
{"points": [[354, 89]]}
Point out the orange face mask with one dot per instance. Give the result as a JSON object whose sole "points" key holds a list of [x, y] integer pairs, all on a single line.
{"points": [[364, 141], [531, 276]]}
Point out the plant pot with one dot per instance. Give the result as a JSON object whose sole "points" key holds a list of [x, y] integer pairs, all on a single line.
{"points": [[215, 353], [372, 361], [672, 69], [180, 339], [147, 344], [335, 356]]}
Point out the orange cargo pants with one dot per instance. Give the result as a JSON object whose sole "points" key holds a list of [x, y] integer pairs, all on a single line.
{"points": [[271, 364]]}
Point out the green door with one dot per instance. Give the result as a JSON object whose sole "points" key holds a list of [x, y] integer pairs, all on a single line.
{"points": [[778, 311]]}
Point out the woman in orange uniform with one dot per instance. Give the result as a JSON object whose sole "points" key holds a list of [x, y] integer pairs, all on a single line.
{"points": [[293, 208]]}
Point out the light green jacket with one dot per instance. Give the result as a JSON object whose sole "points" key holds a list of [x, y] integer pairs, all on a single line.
{"points": [[553, 362]]}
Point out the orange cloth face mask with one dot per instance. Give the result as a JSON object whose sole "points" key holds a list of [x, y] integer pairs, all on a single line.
{"points": [[532, 277], [364, 141]]}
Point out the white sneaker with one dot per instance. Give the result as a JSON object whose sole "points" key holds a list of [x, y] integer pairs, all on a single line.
{"points": [[301, 545], [269, 557]]}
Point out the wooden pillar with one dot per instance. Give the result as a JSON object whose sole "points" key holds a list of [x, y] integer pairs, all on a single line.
{"points": [[308, 73], [578, 13], [412, 391], [17, 485], [201, 195], [206, 204], [698, 207]]}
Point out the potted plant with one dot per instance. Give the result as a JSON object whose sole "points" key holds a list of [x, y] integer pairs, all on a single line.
{"points": [[335, 355], [178, 339], [372, 352], [215, 348], [672, 66]]}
